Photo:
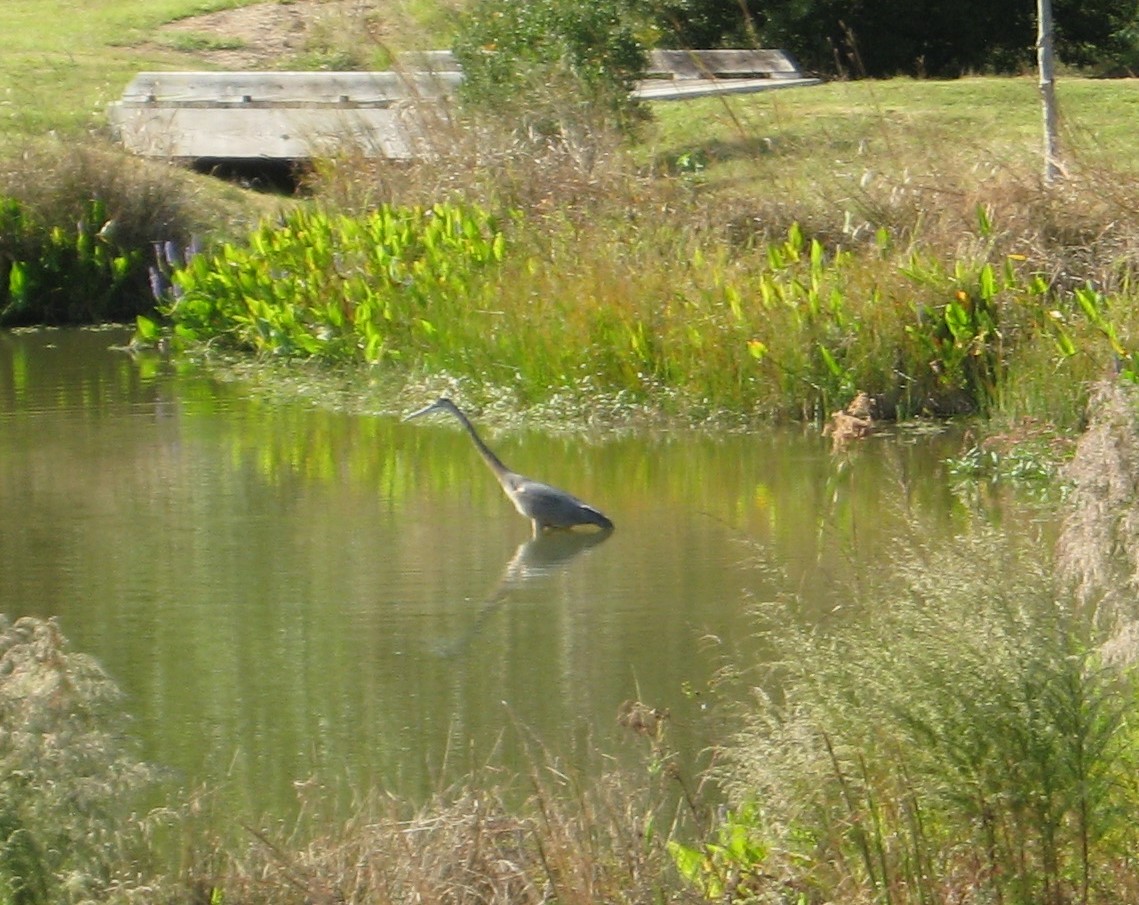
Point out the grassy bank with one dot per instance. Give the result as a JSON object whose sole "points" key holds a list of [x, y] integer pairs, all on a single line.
{"points": [[688, 289], [775, 254], [798, 249]]}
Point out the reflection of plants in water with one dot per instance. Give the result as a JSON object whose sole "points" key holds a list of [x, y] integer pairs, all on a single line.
{"points": [[1028, 459], [64, 768]]}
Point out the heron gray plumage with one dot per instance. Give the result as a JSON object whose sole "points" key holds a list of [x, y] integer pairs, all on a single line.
{"points": [[545, 506]]}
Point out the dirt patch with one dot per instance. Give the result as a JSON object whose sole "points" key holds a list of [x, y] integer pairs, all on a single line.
{"points": [[304, 33]]}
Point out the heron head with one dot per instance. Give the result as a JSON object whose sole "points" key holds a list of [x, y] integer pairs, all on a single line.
{"points": [[442, 404]]}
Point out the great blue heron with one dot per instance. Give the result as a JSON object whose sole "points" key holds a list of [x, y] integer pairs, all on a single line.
{"points": [[545, 506]]}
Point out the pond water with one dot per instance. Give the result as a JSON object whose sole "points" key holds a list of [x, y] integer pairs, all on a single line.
{"points": [[286, 592]]}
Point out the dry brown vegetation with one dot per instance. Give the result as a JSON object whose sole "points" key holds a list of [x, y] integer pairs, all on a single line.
{"points": [[148, 201], [562, 843], [67, 832], [68, 768], [1099, 547]]}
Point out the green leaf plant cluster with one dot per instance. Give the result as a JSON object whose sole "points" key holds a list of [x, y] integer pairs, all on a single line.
{"points": [[55, 274], [374, 288], [786, 328]]}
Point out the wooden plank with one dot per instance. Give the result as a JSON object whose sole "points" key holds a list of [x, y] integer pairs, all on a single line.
{"points": [[728, 63], [685, 89], [271, 133], [703, 64], [374, 88]]}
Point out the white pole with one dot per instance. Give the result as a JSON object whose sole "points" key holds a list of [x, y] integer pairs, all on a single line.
{"points": [[1048, 91]]}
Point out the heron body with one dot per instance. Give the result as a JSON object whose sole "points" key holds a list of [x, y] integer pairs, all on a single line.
{"points": [[545, 506]]}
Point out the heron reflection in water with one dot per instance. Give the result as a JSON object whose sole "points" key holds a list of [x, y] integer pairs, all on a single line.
{"points": [[535, 563], [545, 506]]}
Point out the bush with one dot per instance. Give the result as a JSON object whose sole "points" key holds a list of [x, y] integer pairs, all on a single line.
{"points": [[60, 275], [552, 66], [77, 230], [65, 768], [961, 740]]}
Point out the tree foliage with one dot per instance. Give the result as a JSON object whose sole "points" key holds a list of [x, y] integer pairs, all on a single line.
{"points": [[510, 47], [520, 56], [911, 37], [707, 23]]}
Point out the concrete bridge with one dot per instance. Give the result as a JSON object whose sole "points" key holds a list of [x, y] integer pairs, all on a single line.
{"points": [[294, 116]]}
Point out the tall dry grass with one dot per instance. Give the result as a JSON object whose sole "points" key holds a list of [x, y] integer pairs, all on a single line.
{"points": [[961, 739], [148, 201], [1099, 546], [70, 831], [68, 770], [960, 727], [493, 840]]}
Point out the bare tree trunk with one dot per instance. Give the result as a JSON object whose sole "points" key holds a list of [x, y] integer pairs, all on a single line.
{"points": [[1048, 90]]}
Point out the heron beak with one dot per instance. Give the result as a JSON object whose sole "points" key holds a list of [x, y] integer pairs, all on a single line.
{"points": [[422, 411]]}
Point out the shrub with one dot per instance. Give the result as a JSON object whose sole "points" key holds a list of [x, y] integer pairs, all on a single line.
{"points": [[961, 740], [551, 66], [65, 768], [60, 275], [77, 226]]}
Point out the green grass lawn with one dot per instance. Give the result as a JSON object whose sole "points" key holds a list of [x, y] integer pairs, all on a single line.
{"points": [[63, 61], [902, 126]]}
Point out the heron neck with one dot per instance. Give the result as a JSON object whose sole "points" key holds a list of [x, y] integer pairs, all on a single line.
{"points": [[489, 457]]}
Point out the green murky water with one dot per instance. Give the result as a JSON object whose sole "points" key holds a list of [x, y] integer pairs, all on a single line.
{"points": [[285, 592]]}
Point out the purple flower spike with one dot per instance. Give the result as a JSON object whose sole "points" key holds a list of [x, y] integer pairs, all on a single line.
{"points": [[159, 285]]}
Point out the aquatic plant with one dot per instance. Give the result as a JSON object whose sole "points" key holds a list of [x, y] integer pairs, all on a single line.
{"points": [[370, 288], [55, 275], [782, 327]]}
